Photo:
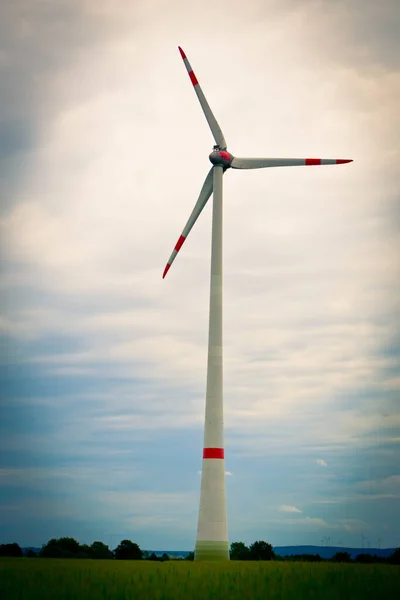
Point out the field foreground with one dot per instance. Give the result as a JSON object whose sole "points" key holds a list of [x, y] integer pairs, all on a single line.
{"points": [[62, 579]]}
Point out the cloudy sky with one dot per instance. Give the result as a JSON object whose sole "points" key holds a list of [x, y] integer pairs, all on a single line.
{"points": [[103, 152]]}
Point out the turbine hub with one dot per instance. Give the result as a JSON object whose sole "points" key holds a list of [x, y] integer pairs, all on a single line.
{"points": [[221, 157]]}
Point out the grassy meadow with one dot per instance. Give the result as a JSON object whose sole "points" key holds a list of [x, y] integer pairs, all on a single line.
{"points": [[67, 579]]}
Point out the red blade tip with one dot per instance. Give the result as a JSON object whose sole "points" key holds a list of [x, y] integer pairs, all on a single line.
{"points": [[166, 270], [341, 161], [182, 52]]}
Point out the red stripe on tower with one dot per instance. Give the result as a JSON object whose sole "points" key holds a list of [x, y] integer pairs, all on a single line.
{"points": [[179, 243], [313, 161], [193, 78], [182, 52], [341, 161], [213, 453]]}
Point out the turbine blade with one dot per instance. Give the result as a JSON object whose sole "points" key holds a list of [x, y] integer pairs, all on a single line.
{"points": [[260, 163], [215, 128], [205, 193]]}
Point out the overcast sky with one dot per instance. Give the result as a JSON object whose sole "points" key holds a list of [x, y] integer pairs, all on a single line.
{"points": [[104, 149]]}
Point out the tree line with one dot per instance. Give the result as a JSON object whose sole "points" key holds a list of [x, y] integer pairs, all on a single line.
{"points": [[67, 547], [264, 551]]}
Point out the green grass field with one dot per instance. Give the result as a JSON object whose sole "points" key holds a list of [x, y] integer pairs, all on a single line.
{"points": [[62, 579]]}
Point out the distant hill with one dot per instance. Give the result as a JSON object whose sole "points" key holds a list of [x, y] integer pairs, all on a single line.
{"points": [[325, 552], [328, 551]]}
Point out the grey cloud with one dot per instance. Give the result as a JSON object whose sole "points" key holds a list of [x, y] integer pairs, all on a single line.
{"points": [[375, 25], [38, 40], [362, 33]]}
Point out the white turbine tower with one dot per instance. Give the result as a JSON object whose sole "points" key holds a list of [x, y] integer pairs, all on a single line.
{"points": [[212, 531]]}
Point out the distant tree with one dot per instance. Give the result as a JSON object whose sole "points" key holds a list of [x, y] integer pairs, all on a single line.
{"points": [[30, 553], [318, 558], [53, 551], [11, 550], [128, 550], [304, 557], [164, 557], [280, 558], [64, 547], [239, 551], [154, 557], [145, 554], [364, 558], [342, 557], [394, 558], [69, 544], [261, 551], [100, 550], [190, 556], [85, 551]]}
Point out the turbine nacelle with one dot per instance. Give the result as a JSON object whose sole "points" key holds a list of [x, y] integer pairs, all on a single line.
{"points": [[222, 158]]}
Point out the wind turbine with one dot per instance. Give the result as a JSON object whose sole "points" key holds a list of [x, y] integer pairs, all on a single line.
{"points": [[212, 531]]}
